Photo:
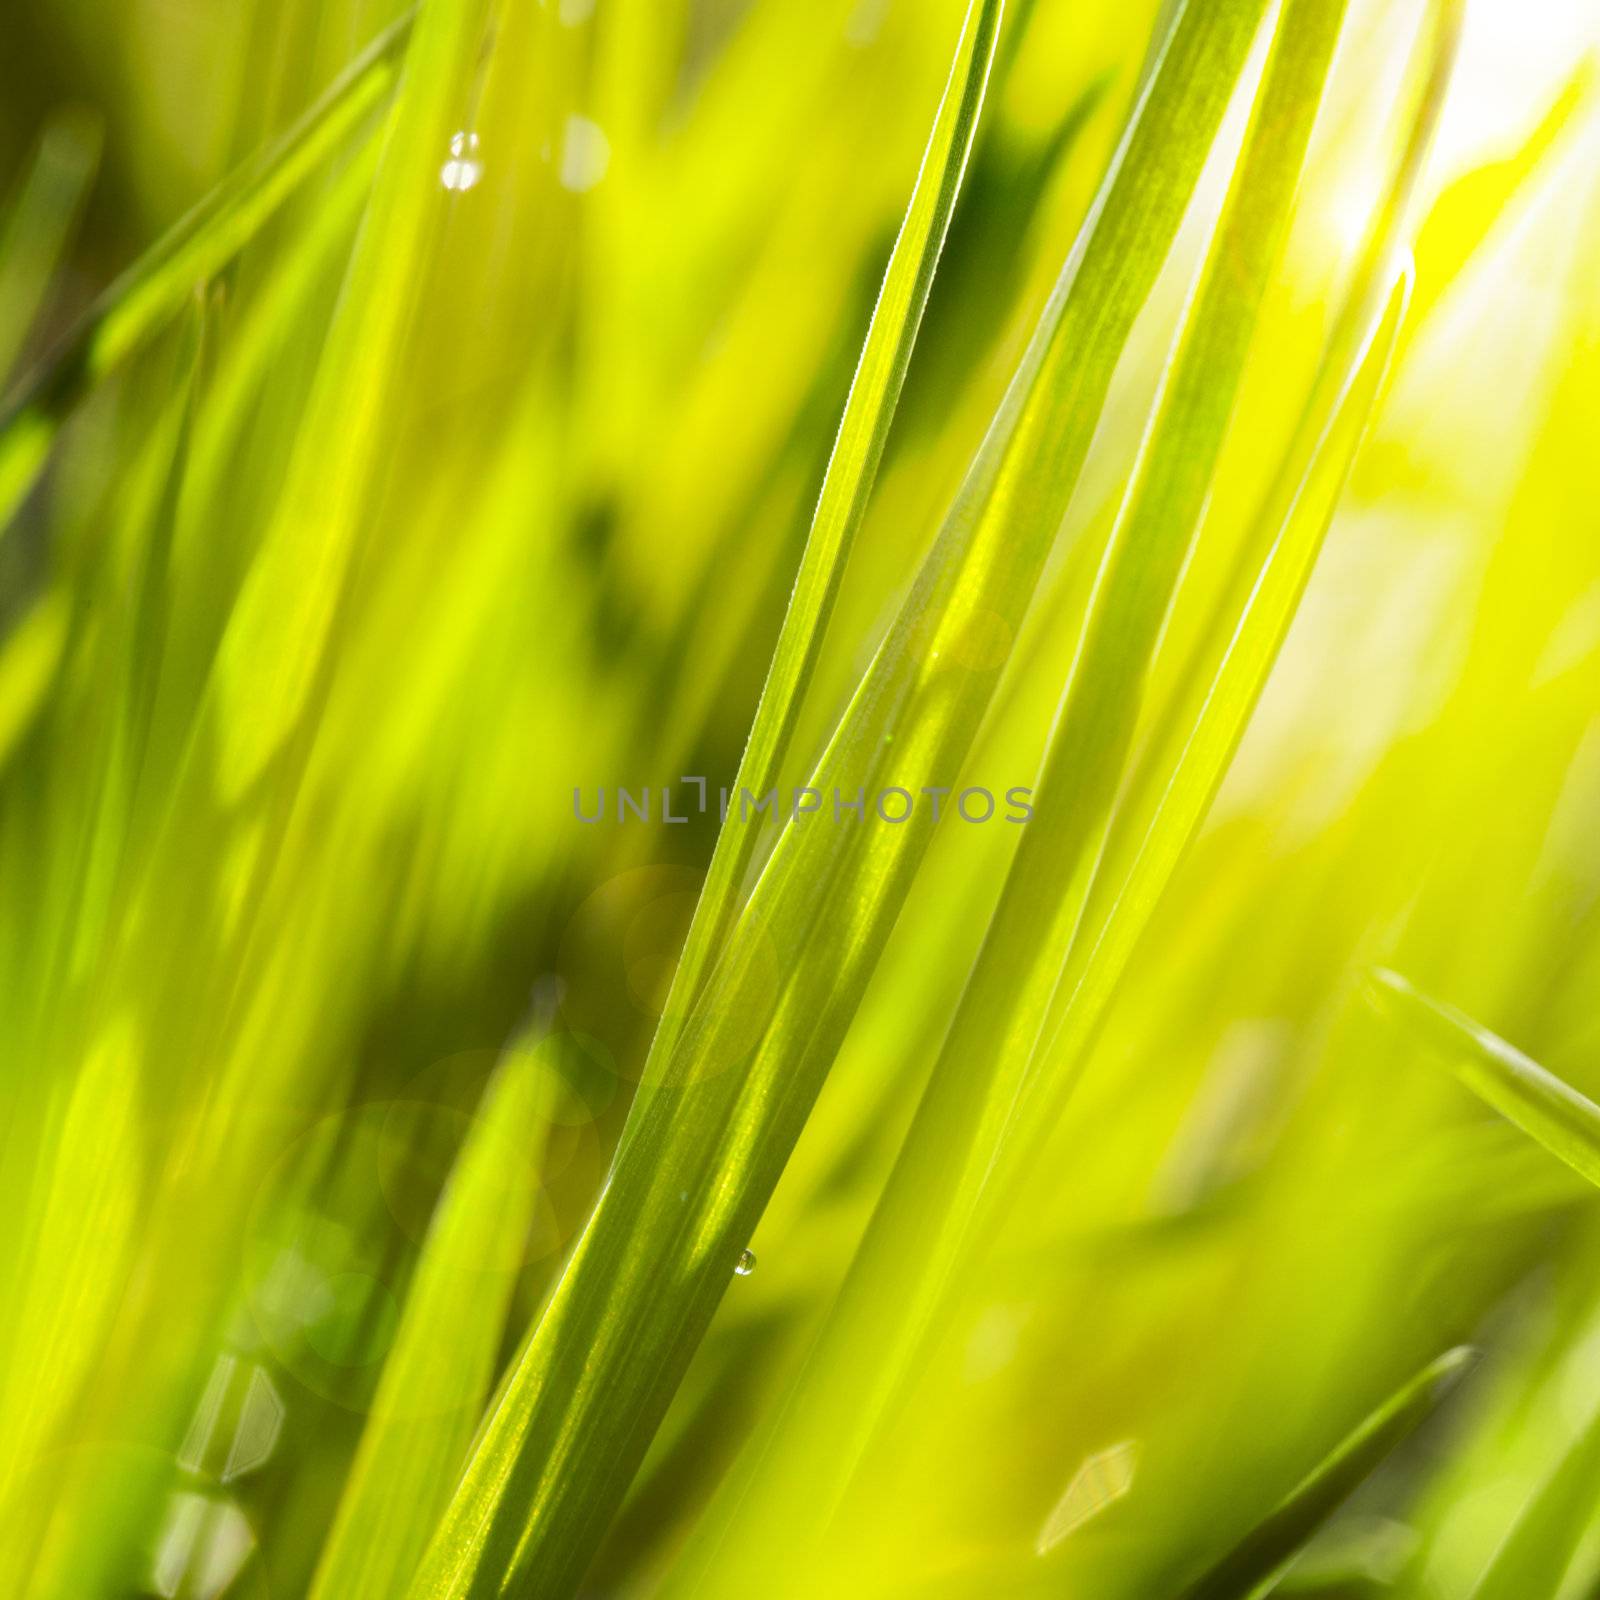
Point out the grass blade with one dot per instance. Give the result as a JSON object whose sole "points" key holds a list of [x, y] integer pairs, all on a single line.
{"points": [[439, 1370], [40, 224], [141, 301], [1548, 1110], [1171, 791], [277, 635], [705, 1144], [896, 1301], [1533, 1561], [920, 1226], [1251, 1568], [83, 1233], [847, 485]]}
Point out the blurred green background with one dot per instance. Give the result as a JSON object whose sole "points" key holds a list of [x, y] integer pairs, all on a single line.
{"points": [[427, 502]]}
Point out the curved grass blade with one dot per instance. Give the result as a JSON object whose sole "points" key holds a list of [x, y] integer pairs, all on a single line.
{"points": [[139, 303], [441, 1365], [900, 1274], [1156, 822], [1548, 1110], [711, 1129], [1172, 789], [847, 484], [1253, 1566], [1532, 1562], [40, 223]]}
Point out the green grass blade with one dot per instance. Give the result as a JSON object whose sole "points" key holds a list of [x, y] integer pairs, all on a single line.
{"points": [[442, 1362], [29, 658], [1253, 1566], [40, 224], [847, 485], [710, 1132], [1172, 789], [82, 1236], [901, 1272], [278, 633], [141, 301], [312, 620], [1548, 1110], [1532, 1562], [1004, 1136]]}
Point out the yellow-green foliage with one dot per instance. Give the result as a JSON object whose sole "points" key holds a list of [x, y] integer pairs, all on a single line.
{"points": [[421, 426]]}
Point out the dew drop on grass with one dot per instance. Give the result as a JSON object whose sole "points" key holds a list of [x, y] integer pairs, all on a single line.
{"points": [[746, 1264], [464, 169]]}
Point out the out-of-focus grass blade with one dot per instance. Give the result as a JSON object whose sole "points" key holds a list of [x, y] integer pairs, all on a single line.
{"points": [[1565, 1122], [139, 302], [41, 221], [79, 1234], [441, 1365], [1251, 1568], [1532, 1562], [709, 1134], [28, 661], [1464, 215], [52, 1367], [315, 255], [847, 485], [277, 634]]}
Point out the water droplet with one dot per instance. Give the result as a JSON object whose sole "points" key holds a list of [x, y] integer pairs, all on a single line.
{"points": [[585, 154], [464, 169], [746, 1264]]}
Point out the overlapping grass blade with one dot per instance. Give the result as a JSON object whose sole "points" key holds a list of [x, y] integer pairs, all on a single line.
{"points": [[847, 485], [1548, 1110], [87, 1261], [709, 1135], [1180, 780], [439, 1369], [251, 892], [142, 300], [1253, 1566], [1172, 787], [919, 1229]]}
